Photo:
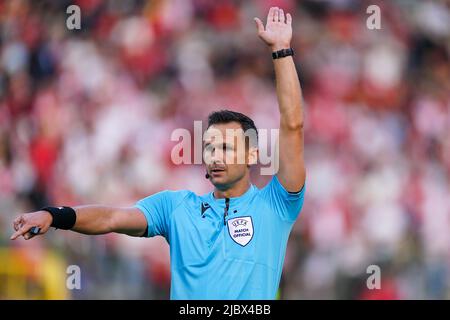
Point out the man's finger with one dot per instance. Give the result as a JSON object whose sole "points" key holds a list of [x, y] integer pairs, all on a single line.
{"points": [[281, 14], [271, 14], [276, 15], [288, 19], [259, 25], [28, 235], [24, 229], [17, 222]]}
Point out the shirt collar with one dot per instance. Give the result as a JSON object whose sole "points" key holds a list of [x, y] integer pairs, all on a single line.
{"points": [[235, 201]]}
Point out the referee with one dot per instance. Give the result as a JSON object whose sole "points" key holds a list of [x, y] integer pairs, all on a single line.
{"points": [[231, 242]]}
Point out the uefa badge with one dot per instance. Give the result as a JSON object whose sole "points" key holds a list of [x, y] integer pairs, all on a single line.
{"points": [[241, 230]]}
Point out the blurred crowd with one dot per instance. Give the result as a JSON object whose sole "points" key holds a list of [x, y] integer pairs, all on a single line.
{"points": [[86, 117]]}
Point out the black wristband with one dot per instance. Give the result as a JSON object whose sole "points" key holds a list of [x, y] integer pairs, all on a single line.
{"points": [[63, 217], [282, 53]]}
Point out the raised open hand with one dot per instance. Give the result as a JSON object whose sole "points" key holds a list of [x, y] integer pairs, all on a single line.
{"points": [[278, 31]]}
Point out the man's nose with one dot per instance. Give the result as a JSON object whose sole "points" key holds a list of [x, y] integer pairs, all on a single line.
{"points": [[217, 160], [214, 156]]}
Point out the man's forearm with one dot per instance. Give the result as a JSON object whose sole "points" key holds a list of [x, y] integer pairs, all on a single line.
{"points": [[288, 93], [93, 219]]}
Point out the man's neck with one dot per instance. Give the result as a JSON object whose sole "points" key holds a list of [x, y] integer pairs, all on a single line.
{"points": [[236, 191]]}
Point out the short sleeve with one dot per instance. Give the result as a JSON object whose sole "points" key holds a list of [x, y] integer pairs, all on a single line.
{"points": [[157, 209], [286, 204]]}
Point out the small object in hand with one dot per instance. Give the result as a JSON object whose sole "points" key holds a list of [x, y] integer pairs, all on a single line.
{"points": [[35, 230]]}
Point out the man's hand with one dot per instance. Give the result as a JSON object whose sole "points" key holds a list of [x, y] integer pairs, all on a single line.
{"points": [[278, 32], [24, 222]]}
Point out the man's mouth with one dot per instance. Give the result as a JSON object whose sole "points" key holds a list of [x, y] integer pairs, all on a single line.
{"points": [[217, 171]]}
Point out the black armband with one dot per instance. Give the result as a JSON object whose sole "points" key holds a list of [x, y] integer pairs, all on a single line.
{"points": [[282, 53], [63, 217]]}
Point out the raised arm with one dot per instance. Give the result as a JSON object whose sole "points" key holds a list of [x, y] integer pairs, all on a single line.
{"points": [[89, 220], [277, 35]]}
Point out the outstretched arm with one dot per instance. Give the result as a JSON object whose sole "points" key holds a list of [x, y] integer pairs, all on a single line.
{"points": [[89, 220], [277, 35]]}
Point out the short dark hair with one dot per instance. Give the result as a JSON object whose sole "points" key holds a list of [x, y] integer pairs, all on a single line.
{"points": [[227, 116]]}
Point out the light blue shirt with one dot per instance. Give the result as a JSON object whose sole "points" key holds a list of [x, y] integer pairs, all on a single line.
{"points": [[239, 259]]}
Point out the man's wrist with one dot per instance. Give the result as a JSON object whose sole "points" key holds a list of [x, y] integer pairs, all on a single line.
{"points": [[48, 215], [62, 217]]}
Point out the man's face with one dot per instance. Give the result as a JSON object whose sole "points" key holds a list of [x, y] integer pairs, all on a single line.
{"points": [[226, 155]]}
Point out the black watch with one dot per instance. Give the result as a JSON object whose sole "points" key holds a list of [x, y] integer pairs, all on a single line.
{"points": [[282, 53]]}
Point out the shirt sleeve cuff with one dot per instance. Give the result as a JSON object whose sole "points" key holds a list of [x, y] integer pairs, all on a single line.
{"points": [[148, 217], [290, 195]]}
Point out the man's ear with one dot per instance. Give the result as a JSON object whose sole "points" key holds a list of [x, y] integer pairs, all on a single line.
{"points": [[253, 153]]}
